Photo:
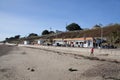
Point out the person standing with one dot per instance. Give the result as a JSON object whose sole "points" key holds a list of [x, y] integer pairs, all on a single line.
{"points": [[92, 51]]}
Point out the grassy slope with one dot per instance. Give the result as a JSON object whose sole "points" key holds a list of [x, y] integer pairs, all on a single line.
{"points": [[91, 33], [76, 34]]}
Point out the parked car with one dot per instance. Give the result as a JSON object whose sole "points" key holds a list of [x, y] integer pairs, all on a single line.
{"points": [[109, 47]]}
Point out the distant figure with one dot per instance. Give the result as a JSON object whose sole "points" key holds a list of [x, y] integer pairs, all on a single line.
{"points": [[92, 51], [16, 44]]}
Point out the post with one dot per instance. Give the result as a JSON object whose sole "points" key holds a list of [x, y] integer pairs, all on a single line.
{"points": [[101, 34]]}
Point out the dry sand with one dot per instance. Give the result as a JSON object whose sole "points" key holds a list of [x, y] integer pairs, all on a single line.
{"points": [[21, 63]]}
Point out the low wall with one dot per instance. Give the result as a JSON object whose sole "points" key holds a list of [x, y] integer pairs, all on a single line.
{"points": [[84, 51]]}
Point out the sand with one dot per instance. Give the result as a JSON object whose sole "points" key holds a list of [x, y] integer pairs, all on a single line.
{"points": [[21, 63]]}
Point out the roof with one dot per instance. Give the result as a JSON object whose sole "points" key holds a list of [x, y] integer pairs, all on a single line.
{"points": [[70, 39]]}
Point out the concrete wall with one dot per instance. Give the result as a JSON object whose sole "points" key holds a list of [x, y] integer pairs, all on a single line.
{"points": [[84, 51]]}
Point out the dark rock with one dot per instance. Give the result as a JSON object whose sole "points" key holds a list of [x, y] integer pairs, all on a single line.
{"points": [[28, 68], [32, 70], [71, 69]]}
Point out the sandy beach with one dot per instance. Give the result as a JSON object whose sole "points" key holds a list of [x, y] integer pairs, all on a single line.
{"points": [[23, 63]]}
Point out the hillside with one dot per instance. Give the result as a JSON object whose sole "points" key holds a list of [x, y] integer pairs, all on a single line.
{"points": [[111, 32], [107, 30]]}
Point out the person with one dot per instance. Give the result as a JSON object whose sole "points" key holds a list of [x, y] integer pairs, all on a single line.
{"points": [[92, 51]]}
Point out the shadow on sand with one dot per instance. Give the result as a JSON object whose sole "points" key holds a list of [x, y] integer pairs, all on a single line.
{"points": [[5, 49]]}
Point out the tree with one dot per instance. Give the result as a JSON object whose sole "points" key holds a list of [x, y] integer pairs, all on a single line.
{"points": [[6, 39], [73, 26], [11, 38], [96, 26], [45, 32], [17, 36], [32, 34], [51, 32], [115, 37]]}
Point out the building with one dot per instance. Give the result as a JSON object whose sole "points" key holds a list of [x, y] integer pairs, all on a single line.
{"points": [[40, 41], [26, 42], [58, 42], [85, 42], [75, 42]]}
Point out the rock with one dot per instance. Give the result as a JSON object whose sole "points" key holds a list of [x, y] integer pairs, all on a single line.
{"points": [[71, 69], [28, 69], [32, 70]]}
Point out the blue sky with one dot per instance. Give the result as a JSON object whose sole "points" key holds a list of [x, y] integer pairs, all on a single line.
{"points": [[33, 16]]}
